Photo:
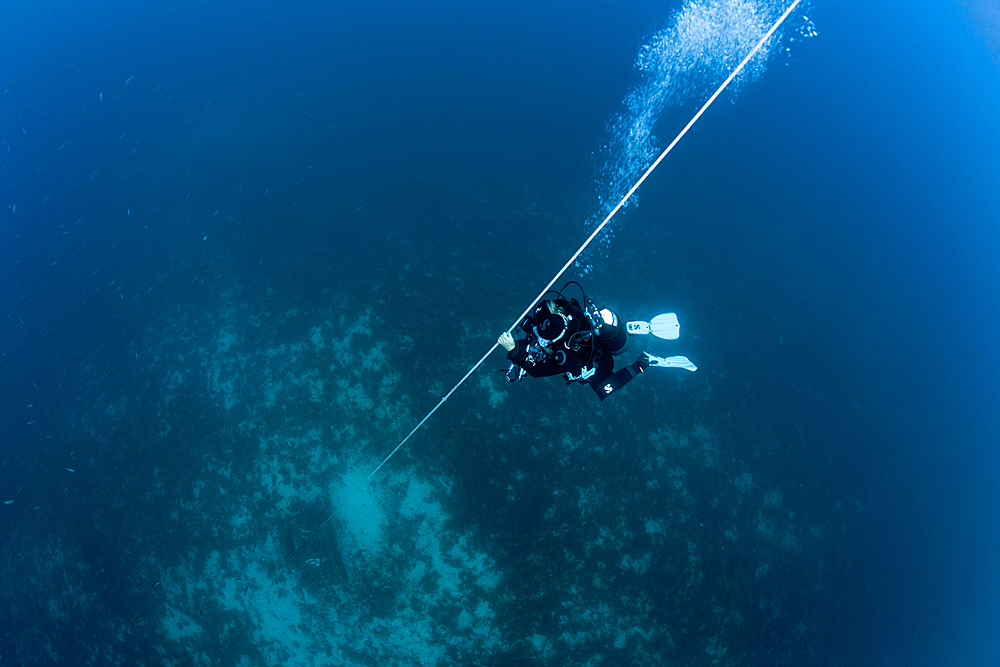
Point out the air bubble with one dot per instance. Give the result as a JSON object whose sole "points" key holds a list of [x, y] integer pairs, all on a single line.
{"points": [[680, 66]]}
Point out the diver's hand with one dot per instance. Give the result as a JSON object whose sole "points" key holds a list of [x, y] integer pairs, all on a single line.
{"points": [[506, 341]]}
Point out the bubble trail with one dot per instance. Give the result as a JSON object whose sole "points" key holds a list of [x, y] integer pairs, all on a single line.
{"points": [[679, 65]]}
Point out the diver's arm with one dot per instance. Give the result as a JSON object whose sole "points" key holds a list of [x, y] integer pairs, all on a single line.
{"points": [[517, 352], [519, 355]]}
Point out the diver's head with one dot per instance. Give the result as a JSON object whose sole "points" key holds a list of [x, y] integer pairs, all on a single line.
{"points": [[550, 328]]}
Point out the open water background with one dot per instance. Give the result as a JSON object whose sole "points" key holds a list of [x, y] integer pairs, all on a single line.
{"points": [[829, 238]]}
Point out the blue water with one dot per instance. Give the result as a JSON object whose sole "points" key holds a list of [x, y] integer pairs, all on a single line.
{"points": [[245, 249]]}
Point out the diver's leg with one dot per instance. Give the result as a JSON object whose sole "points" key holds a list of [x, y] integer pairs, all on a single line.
{"points": [[609, 383]]}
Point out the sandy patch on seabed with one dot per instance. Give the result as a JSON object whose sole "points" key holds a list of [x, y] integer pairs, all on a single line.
{"points": [[410, 576]]}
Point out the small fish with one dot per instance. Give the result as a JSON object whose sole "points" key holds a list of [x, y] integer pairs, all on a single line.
{"points": [[8, 502], [100, 95], [8, 88], [70, 470], [63, 145]]}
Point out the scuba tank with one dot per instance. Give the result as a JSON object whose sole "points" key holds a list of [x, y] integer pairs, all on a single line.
{"points": [[611, 333]]}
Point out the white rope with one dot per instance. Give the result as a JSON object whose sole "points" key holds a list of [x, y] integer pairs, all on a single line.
{"points": [[593, 235]]}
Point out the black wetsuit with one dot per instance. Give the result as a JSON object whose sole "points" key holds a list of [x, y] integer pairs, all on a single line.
{"points": [[578, 348]]}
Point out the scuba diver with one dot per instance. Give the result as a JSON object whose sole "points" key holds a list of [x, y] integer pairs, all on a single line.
{"points": [[581, 341]]}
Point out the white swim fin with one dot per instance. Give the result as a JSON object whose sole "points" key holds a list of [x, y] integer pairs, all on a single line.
{"points": [[663, 326], [671, 362]]}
